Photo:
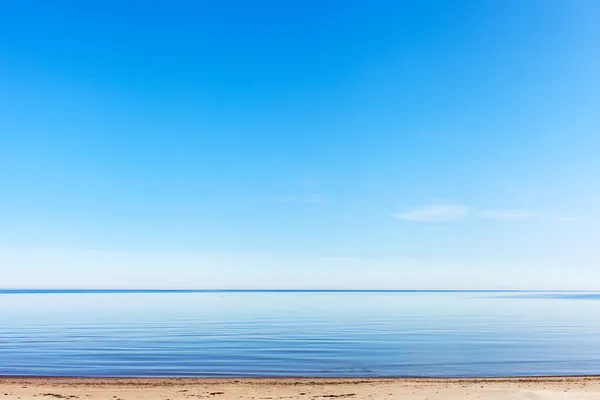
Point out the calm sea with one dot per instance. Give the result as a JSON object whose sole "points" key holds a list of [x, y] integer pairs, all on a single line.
{"points": [[261, 333]]}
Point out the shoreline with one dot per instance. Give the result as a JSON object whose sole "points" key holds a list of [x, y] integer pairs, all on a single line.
{"points": [[299, 378], [411, 388]]}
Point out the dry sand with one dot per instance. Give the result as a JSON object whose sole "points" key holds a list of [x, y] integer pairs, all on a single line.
{"points": [[298, 388]]}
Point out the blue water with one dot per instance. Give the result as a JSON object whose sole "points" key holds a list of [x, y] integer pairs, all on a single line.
{"points": [[316, 333]]}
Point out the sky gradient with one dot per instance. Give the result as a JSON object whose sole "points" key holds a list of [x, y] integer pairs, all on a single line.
{"points": [[312, 144]]}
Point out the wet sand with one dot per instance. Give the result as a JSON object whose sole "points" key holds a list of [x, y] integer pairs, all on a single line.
{"points": [[558, 388]]}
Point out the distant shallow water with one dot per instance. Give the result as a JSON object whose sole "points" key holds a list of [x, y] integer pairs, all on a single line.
{"points": [[299, 333]]}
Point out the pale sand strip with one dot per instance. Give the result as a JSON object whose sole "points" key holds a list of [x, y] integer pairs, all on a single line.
{"points": [[298, 388]]}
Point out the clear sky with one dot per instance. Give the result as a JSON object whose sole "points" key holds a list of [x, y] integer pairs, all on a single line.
{"points": [[300, 144]]}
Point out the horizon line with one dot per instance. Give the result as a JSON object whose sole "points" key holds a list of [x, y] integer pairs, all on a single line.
{"points": [[155, 290]]}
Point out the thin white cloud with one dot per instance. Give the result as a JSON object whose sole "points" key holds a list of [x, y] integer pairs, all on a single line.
{"points": [[434, 213], [509, 214], [440, 213]]}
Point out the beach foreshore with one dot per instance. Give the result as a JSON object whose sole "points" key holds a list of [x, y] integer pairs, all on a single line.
{"points": [[49, 388]]}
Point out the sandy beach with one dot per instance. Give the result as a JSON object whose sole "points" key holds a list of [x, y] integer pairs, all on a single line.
{"points": [[562, 388]]}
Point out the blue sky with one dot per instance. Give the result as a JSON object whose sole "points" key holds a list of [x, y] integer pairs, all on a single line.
{"points": [[313, 144]]}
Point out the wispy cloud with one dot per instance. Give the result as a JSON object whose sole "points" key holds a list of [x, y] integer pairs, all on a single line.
{"points": [[434, 213], [508, 214], [440, 213]]}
